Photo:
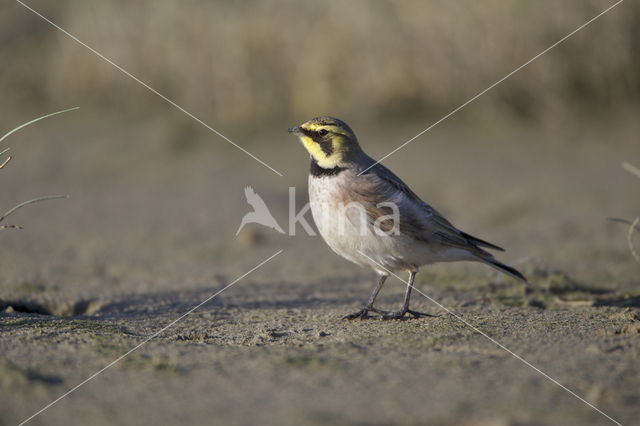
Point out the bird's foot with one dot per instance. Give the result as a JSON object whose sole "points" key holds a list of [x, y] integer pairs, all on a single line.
{"points": [[385, 315], [401, 314], [362, 314]]}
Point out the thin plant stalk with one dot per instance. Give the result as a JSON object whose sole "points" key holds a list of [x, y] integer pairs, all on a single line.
{"points": [[35, 200], [4, 163], [630, 239], [633, 226], [35, 120]]}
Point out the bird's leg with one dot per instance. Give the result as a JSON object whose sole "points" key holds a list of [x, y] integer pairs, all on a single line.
{"points": [[405, 305], [364, 312]]}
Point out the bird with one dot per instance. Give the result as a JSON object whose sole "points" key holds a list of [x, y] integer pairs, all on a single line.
{"points": [[369, 216], [260, 213]]}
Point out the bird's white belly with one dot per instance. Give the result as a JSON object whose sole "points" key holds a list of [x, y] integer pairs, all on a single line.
{"points": [[341, 232], [347, 231]]}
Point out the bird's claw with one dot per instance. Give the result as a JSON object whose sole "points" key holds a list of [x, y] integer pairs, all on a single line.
{"points": [[362, 314], [385, 315], [401, 314]]}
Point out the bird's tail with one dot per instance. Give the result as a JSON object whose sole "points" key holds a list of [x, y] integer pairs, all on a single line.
{"points": [[506, 269]]}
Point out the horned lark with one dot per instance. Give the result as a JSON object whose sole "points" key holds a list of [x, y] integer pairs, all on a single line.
{"points": [[369, 216]]}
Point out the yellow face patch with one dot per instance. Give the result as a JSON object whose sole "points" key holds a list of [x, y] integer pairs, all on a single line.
{"points": [[327, 139], [323, 160]]}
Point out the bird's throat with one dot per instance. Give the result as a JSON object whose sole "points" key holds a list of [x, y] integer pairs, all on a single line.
{"points": [[316, 170]]}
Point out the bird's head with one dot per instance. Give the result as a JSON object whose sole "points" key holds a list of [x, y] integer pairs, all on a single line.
{"points": [[330, 141]]}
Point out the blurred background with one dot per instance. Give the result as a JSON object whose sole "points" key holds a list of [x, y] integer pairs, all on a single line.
{"points": [[156, 198], [534, 164], [251, 62]]}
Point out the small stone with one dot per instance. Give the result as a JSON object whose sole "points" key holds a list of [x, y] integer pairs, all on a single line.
{"points": [[593, 350], [250, 237]]}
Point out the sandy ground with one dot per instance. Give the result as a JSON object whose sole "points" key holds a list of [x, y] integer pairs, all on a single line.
{"points": [[149, 233]]}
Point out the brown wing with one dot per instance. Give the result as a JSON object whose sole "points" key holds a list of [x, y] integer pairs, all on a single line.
{"points": [[418, 218]]}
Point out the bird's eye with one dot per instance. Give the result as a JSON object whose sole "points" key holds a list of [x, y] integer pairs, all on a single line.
{"points": [[322, 132]]}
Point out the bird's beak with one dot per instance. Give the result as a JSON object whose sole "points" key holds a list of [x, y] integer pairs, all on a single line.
{"points": [[294, 130]]}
